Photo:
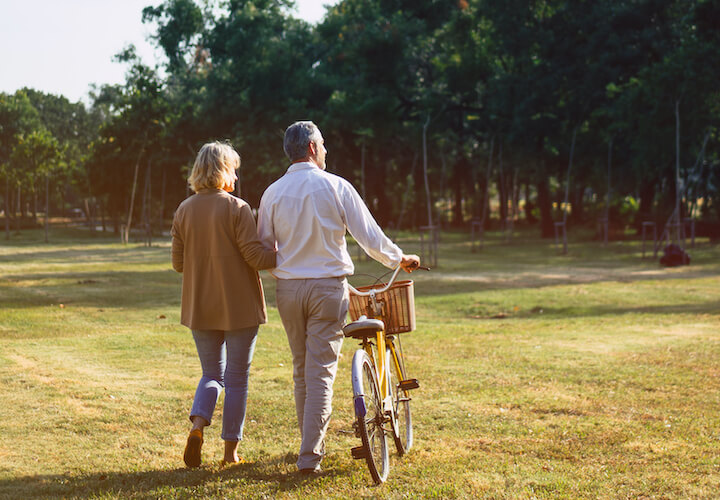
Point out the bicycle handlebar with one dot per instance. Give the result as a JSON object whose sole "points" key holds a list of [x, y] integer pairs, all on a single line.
{"points": [[373, 291], [390, 283]]}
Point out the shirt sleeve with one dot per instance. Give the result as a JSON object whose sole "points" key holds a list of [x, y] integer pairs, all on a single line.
{"points": [[264, 224], [178, 245], [252, 250], [365, 230]]}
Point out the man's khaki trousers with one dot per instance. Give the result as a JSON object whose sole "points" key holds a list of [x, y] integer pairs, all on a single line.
{"points": [[313, 312]]}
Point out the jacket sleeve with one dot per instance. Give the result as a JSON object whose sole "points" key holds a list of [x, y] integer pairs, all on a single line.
{"points": [[264, 224], [178, 246], [254, 253]]}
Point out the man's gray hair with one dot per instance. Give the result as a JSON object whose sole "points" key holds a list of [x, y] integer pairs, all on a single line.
{"points": [[297, 137]]}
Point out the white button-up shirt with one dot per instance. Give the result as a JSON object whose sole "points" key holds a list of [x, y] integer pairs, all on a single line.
{"points": [[305, 215]]}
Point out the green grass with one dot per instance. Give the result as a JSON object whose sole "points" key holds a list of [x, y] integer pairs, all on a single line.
{"points": [[591, 375]]}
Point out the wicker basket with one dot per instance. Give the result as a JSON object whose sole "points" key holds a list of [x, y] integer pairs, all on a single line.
{"points": [[398, 306]]}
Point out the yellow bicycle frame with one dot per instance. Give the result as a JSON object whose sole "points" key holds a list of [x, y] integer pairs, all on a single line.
{"points": [[379, 362]]}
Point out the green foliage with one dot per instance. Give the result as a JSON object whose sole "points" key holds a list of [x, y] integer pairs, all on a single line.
{"points": [[520, 76], [180, 21]]}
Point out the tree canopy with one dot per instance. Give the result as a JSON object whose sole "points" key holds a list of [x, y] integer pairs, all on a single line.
{"points": [[515, 85]]}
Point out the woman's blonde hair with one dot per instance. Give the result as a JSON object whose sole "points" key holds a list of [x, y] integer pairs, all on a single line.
{"points": [[214, 167]]}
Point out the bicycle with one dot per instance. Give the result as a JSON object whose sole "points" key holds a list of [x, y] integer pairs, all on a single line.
{"points": [[379, 380]]}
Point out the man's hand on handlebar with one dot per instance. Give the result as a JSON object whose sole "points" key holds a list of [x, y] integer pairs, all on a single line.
{"points": [[409, 263]]}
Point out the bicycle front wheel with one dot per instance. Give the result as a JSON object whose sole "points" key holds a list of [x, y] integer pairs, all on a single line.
{"points": [[370, 417], [402, 432]]}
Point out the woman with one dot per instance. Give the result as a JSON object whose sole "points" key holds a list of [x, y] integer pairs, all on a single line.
{"points": [[215, 247]]}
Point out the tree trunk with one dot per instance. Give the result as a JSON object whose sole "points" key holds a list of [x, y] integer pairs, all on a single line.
{"points": [[547, 224], [47, 206], [647, 199], [35, 203], [102, 215], [441, 191], [678, 194], [410, 182], [577, 202], [126, 236], [457, 203], [18, 212], [486, 191], [502, 189], [529, 206], [162, 199], [547, 228], [7, 209], [425, 172], [62, 201], [147, 202], [609, 185], [516, 196], [143, 205], [362, 171], [88, 215], [567, 181]]}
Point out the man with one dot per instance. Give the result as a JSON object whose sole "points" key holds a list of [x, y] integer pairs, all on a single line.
{"points": [[305, 215]]}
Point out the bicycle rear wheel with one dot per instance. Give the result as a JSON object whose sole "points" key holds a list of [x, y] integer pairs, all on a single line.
{"points": [[370, 417], [402, 423]]}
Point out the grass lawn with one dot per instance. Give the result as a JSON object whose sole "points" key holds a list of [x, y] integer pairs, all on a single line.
{"points": [[591, 375]]}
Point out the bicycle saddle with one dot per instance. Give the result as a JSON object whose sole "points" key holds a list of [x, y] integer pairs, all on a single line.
{"points": [[363, 327]]}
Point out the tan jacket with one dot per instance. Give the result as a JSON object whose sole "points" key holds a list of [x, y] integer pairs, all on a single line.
{"points": [[216, 248]]}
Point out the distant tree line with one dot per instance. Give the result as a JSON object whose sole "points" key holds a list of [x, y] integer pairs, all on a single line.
{"points": [[438, 111]]}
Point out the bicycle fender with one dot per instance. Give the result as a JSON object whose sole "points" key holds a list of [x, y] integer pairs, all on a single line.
{"points": [[358, 391], [360, 409], [356, 372]]}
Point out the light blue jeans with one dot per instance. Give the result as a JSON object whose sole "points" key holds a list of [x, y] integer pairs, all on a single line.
{"points": [[225, 357]]}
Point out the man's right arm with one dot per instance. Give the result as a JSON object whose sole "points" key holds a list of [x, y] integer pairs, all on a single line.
{"points": [[366, 231]]}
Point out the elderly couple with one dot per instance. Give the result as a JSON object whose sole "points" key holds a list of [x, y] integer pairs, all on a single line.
{"points": [[300, 237]]}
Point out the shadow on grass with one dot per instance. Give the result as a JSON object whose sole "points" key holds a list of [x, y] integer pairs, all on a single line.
{"points": [[115, 289], [151, 289], [710, 308], [460, 284], [159, 483], [117, 253]]}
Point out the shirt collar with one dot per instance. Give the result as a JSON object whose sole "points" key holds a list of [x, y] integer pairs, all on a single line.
{"points": [[303, 165]]}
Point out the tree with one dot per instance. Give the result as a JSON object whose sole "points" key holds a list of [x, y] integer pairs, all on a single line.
{"points": [[136, 126], [38, 154], [17, 117]]}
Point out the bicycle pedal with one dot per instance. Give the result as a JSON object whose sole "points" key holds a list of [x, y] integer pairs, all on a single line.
{"points": [[411, 383], [358, 452]]}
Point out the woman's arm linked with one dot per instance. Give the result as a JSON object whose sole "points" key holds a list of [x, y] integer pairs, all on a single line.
{"points": [[255, 253]]}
